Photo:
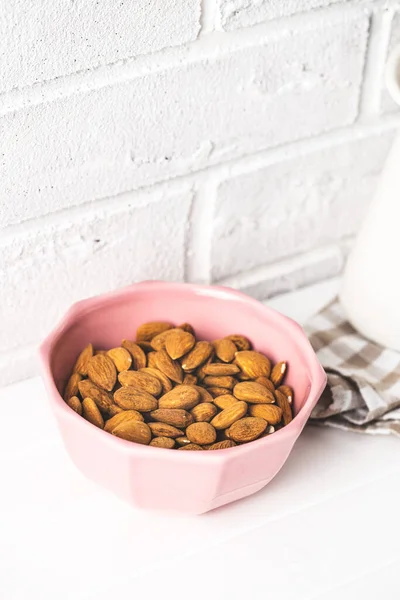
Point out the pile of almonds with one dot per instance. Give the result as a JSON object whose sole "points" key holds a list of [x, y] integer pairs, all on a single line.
{"points": [[169, 390]]}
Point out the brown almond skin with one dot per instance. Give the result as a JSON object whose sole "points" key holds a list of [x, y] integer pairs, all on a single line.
{"points": [[103, 399], [197, 356], [183, 441], [171, 368], [284, 404], [165, 381], [151, 360], [142, 381], [147, 331], [247, 429], [254, 364], [83, 359], [221, 445], [179, 343], [225, 349], [229, 415], [187, 327], [190, 379], [204, 412], [114, 410], [102, 371], [164, 430], [241, 342], [182, 396], [121, 358], [91, 413], [163, 442], [139, 359], [269, 412], [266, 383], [201, 433], [253, 392], [133, 431], [158, 342], [200, 371], [191, 447], [287, 390], [217, 391], [205, 395], [126, 415], [224, 381], [221, 369], [172, 416], [145, 346], [278, 373], [130, 398], [75, 404], [72, 387], [224, 401]]}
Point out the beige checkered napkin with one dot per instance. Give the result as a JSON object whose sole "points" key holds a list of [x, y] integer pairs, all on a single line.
{"points": [[363, 391]]}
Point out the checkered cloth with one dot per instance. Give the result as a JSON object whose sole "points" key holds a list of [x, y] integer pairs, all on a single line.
{"points": [[363, 391]]}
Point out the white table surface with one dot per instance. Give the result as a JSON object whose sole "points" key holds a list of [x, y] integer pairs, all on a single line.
{"points": [[327, 527]]}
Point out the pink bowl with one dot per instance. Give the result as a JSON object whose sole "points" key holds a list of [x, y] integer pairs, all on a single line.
{"points": [[156, 478]]}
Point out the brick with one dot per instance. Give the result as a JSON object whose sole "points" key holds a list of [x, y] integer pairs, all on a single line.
{"points": [[44, 271], [45, 40], [243, 13], [157, 126], [387, 104], [294, 206]]}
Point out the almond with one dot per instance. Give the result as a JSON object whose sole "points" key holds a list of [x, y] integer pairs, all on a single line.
{"points": [[139, 360], [278, 373], [287, 390], [253, 392], [147, 331], [196, 357], [229, 415], [182, 396], [75, 404], [221, 445], [224, 401], [151, 360], [201, 371], [103, 399], [247, 429], [205, 395], [284, 404], [133, 431], [266, 383], [82, 361], [254, 364], [191, 447], [189, 379], [130, 398], [141, 381], [172, 416], [221, 369], [145, 346], [126, 415], [179, 343], [162, 442], [240, 341], [164, 430], [91, 413], [204, 412], [187, 327], [225, 349], [158, 342], [102, 371], [225, 381], [169, 367], [269, 412], [217, 391], [72, 387], [114, 410], [121, 358], [165, 382], [183, 441], [201, 433]]}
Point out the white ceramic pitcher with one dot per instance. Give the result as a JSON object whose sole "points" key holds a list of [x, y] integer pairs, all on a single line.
{"points": [[370, 292]]}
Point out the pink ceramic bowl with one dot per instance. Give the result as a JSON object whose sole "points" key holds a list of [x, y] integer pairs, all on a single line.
{"points": [[156, 478]]}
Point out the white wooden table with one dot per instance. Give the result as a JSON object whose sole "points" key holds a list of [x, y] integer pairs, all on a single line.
{"points": [[326, 528]]}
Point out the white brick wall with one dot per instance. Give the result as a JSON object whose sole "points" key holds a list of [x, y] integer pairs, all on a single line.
{"points": [[228, 141]]}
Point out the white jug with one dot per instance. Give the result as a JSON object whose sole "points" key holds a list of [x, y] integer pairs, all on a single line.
{"points": [[370, 293]]}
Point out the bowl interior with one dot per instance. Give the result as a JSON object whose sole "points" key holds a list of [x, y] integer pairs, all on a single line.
{"points": [[213, 312]]}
